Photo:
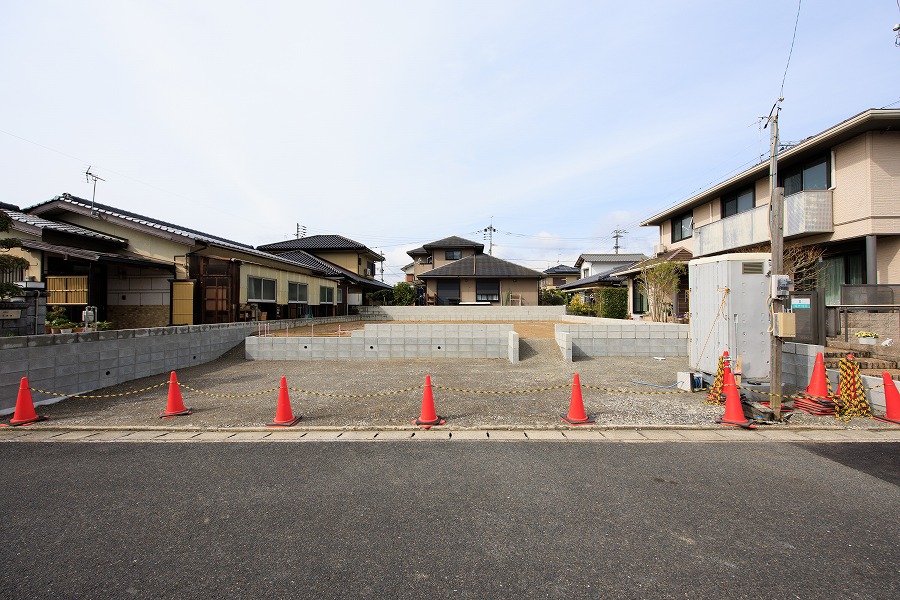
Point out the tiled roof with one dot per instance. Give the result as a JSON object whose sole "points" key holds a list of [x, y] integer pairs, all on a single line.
{"points": [[454, 242], [605, 277], [318, 242], [561, 270], [36, 223], [309, 261], [677, 255], [482, 265], [151, 223]]}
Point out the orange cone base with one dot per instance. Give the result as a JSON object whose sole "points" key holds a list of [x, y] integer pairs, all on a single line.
{"points": [[24, 422], [748, 424], [886, 420], [429, 424], [182, 413], [290, 423], [570, 421]]}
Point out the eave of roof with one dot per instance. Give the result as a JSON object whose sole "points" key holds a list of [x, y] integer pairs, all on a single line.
{"points": [[454, 241], [94, 256], [868, 120], [35, 225], [591, 281], [678, 255]]}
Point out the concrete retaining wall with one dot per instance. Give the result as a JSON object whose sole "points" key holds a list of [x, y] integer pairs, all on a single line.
{"points": [[386, 341], [587, 336], [79, 363], [505, 314], [798, 361]]}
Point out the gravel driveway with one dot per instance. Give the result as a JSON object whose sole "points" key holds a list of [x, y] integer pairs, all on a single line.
{"points": [[633, 401]]}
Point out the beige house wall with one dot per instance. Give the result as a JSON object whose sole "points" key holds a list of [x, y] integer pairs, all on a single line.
{"points": [[852, 194], [439, 253], [281, 283], [143, 244], [888, 259], [345, 260], [527, 288]]}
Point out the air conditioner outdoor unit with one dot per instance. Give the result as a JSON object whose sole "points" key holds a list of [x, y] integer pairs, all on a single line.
{"points": [[659, 249]]}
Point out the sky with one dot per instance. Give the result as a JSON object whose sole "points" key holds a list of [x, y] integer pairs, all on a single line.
{"points": [[400, 123]]}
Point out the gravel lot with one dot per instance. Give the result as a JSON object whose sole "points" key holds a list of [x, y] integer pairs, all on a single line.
{"points": [[631, 403]]}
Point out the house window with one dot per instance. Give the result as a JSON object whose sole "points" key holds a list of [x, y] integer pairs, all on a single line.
{"points": [[683, 226], [13, 275], [737, 202], [260, 290], [809, 176], [297, 293], [557, 281], [326, 295], [585, 272], [340, 295], [487, 290], [639, 304], [453, 254]]}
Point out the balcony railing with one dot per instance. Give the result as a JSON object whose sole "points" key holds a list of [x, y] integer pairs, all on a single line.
{"points": [[805, 213]]}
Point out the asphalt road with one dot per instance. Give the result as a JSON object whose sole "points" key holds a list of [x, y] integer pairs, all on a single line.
{"points": [[442, 520]]}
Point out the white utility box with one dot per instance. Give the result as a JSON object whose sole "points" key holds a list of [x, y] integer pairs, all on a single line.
{"points": [[740, 324]]}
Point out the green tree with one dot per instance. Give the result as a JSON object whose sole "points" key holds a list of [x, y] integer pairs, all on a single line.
{"points": [[549, 297], [659, 283], [8, 263], [404, 294]]}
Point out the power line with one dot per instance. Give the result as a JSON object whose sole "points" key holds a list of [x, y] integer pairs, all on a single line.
{"points": [[791, 51]]}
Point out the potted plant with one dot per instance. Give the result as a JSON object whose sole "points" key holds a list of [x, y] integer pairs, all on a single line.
{"points": [[102, 325], [56, 317], [868, 338]]}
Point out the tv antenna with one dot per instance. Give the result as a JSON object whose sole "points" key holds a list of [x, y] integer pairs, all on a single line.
{"points": [[91, 178]]}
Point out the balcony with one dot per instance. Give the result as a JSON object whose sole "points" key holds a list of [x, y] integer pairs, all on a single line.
{"points": [[805, 213]]}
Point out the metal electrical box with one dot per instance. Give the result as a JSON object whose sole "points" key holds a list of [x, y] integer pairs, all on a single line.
{"points": [[737, 321]]}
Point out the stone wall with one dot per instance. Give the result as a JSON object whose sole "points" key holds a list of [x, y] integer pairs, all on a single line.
{"points": [[31, 313], [127, 316]]}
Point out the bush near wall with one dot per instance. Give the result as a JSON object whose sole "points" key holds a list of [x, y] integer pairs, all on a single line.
{"points": [[614, 303]]}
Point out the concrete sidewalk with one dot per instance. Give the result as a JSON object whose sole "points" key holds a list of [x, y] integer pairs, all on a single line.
{"points": [[161, 434]]}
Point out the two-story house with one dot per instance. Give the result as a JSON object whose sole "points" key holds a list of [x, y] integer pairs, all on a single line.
{"points": [[351, 262], [842, 193], [455, 270]]}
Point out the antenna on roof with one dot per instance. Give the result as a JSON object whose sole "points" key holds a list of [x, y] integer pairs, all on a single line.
{"points": [[91, 178], [617, 234]]}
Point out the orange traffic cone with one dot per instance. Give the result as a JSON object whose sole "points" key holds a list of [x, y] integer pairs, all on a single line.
{"points": [[818, 383], [577, 414], [891, 400], [175, 406], [428, 417], [734, 414], [284, 416], [25, 414]]}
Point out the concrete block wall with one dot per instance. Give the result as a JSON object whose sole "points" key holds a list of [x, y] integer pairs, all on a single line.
{"points": [[385, 341], [513, 347], [616, 337], [79, 363], [798, 361], [462, 313]]}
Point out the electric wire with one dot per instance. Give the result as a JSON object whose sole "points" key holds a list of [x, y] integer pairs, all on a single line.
{"points": [[791, 51]]}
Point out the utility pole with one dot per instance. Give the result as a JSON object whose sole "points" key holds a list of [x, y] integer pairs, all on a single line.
{"points": [[617, 234], [776, 228], [489, 236]]}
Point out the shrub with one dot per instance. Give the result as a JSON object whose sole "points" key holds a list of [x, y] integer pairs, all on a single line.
{"points": [[548, 297], [404, 294], [614, 303]]}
